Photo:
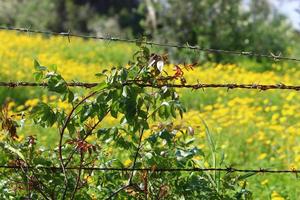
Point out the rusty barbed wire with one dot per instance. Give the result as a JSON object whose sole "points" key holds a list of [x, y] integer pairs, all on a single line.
{"points": [[151, 43], [152, 169], [228, 86]]}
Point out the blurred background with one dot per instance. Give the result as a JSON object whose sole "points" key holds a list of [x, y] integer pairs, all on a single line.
{"points": [[249, 25]]}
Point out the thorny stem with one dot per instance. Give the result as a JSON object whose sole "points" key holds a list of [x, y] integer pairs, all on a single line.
{"points": [[136, 155], [88, 134], [61, 139], [79, 174], [117, 191], [133, 166]]}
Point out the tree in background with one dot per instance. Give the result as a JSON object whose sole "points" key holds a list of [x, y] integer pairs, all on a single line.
{"points": [[90, 16], [220, 24], [32, 13]]}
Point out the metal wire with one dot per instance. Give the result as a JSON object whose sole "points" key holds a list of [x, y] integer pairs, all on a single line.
{"points": [[169, 45], [197, 86], [228, 169]]}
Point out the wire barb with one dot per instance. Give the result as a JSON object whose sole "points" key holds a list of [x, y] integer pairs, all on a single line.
{"points": [[270, 56]]}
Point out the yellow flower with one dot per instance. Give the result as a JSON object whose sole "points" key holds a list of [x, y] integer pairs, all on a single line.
{"points": [[89, 179], [264, 182], [276, 196], [249, 140], [198, 158], [127, 163], [31, 102], [20, 108], [20, 138], [10, 105], [262, 156]]}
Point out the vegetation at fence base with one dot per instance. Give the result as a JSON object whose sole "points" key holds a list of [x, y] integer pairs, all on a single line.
{"points": [[143, 137]]}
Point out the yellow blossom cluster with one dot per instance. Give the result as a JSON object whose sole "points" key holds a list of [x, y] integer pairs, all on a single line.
{"points": [[75, 60]]}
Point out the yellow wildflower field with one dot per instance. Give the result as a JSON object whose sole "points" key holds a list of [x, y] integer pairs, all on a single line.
{"points": [[251, 128]]}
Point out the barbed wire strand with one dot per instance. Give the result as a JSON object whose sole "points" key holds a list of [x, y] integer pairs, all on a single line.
{"points": [[228, 86], [152, 43], [228, 169]]}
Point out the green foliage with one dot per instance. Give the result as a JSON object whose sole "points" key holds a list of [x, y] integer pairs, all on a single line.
{"points": [[144, 134], [78, 16], [219, 24]]}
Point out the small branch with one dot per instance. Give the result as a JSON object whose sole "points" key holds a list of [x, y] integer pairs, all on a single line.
{"points": [[88, 134], [61, 139], [79, 174], [129, 183], [136, 155], [117, 191]]}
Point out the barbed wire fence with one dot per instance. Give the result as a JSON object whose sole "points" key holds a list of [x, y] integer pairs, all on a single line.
{"points": [[68, 34], [228, 86], [152, 169]]}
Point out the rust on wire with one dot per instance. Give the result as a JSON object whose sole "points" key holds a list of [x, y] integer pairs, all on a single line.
{"points": [[227, 169], [169, 45], [228, 86]]}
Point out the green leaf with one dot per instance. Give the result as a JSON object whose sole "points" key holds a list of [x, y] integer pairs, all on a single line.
{"points": [[173, 111], [38, 67], [125, 91], [85, 112], [102, 131], [38, 76], [245, 176], [41, 162], [56, 83], [114, 109], [53, 67], [209, 137], [36, 64], [42, 114], [71, 128], [16, 151], [100, 86], [70, 96], [99, 74], [164, 111]]}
